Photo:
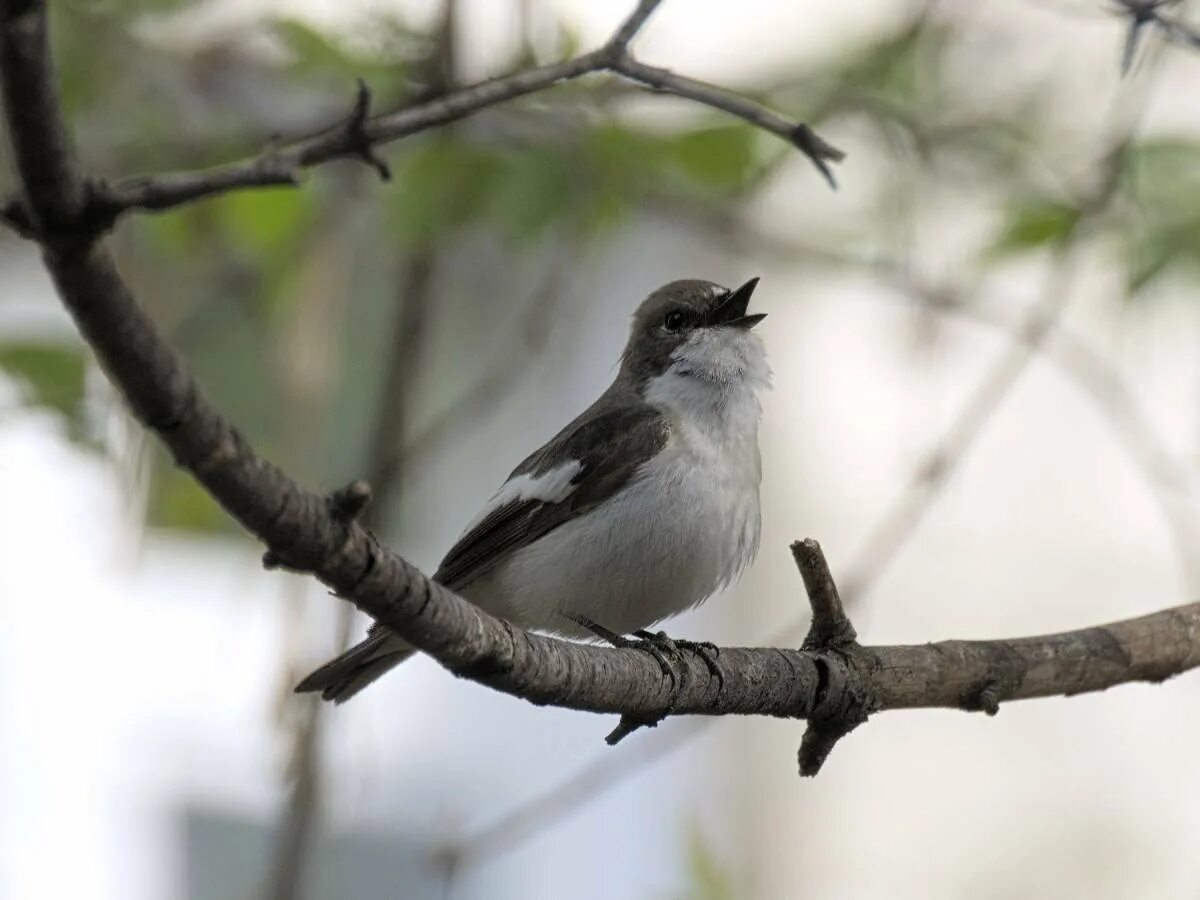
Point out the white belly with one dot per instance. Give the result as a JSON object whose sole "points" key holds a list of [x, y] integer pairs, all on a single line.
{"points": [[684, 527]]}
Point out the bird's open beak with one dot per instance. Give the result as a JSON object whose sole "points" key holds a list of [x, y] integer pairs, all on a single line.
{"points": [[731, 309]]}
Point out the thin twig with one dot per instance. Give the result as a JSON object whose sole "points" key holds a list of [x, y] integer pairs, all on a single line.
{"points": [[632, 25], [801, 136], [358, 135]]}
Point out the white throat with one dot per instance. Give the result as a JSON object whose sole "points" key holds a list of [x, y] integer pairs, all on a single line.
{"points": [[713, 383]]}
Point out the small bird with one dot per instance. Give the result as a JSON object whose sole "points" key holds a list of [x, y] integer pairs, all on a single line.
{"points": [[643, 506]]}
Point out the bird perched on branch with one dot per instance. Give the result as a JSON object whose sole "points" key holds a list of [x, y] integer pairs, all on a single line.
{"points": [[643, 506]]}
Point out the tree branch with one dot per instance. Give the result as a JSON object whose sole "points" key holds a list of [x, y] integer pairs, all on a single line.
{"points": [[801, 136], [632, 25], [306, 532], [359, 134]]}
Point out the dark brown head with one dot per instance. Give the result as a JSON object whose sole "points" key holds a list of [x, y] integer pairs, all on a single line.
{"points": [[693, 327]]}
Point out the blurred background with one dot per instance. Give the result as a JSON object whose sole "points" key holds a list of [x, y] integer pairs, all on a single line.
{"points": [[986, 346]]}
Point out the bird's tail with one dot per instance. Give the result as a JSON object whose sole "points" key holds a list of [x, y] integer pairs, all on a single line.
{"points": [[344, 676]]}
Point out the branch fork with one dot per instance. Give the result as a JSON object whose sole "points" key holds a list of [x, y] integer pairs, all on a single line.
{"points": [[840, 706]]}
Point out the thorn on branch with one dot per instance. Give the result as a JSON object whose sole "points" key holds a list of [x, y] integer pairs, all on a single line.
{"points": [[356, 133], [989, 702], [985, 700], [820, 738], [13, 214], [627, 726], [347, 503], [818, 150]]}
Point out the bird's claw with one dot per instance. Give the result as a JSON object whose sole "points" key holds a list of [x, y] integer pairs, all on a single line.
{"points": [[654, 648], [706, 650], [662, 647]]}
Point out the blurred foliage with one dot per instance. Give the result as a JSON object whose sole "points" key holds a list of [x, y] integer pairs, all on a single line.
{"points": [[384, 61], [178, 502], [707, 877], [246, 283], [1162, 226], [50, 375], [1034, 224], [901, 65]]}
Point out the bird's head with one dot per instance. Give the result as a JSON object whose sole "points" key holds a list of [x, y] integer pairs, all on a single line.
{"points": [[697, 329]]}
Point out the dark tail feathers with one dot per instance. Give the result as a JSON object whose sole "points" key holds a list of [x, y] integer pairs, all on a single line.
{"points": [[344, 676]]}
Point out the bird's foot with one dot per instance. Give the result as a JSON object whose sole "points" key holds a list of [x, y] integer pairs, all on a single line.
{"points": [[706, 650], [665, 651], [654, 648], [662, 647]]}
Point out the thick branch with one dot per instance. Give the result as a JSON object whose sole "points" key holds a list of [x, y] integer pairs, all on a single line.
{"points": [[306, 532]]}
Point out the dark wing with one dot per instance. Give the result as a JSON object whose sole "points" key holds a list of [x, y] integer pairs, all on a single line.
{"points": [[610, 447]]}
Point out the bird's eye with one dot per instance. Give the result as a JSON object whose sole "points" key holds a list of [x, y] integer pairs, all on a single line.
{"points": [[674, 320]]}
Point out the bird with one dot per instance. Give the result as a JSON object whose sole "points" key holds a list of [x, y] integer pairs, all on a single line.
{"points": [[643, 506]]}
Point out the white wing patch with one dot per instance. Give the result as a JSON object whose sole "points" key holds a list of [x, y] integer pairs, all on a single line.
{"points": [[553, 486]]}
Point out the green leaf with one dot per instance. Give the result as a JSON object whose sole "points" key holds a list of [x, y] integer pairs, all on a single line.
{"points": [[1159, 247], [1034, 224], [52, 374]]}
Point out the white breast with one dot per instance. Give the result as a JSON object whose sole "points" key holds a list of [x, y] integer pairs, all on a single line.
{"points": [[682, 528]]}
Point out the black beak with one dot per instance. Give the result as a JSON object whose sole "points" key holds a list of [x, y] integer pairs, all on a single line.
{"points": [[730, 310]]}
